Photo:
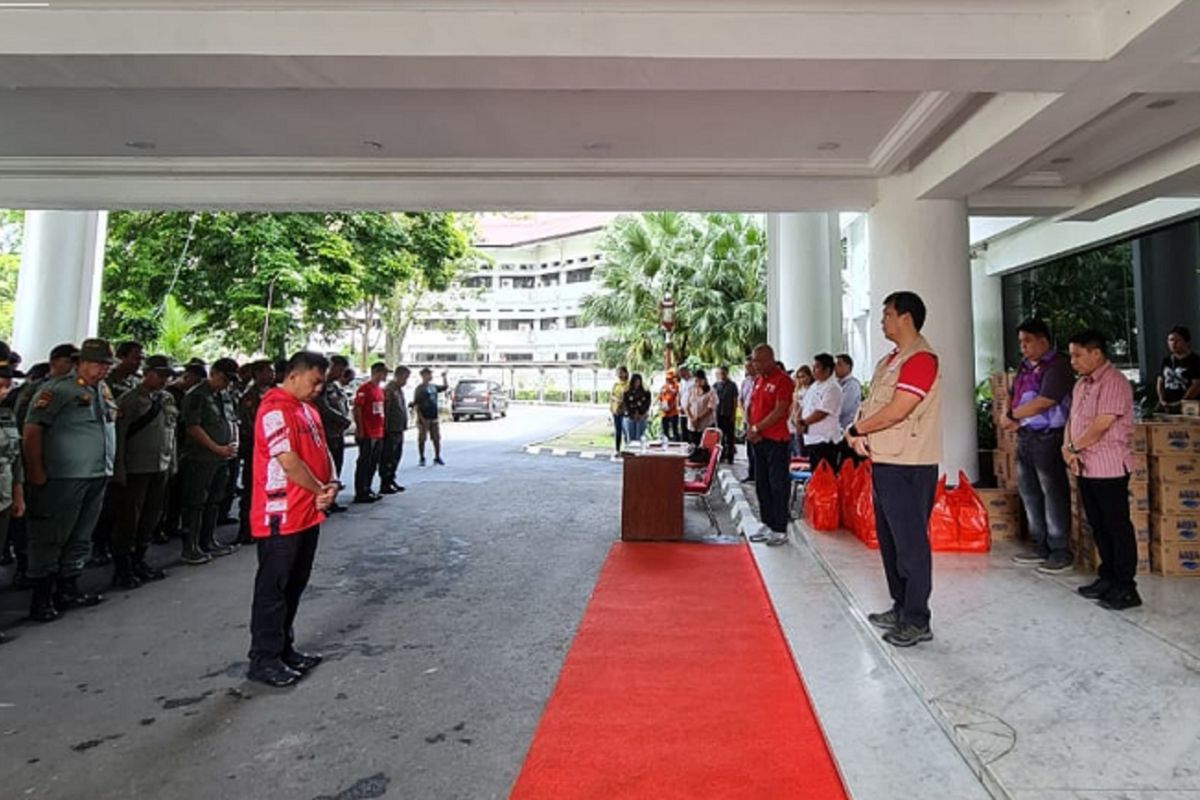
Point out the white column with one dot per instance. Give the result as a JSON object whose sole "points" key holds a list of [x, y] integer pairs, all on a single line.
{"points": [[987, 300], [922, 246], [804, 286], [58, 287]]}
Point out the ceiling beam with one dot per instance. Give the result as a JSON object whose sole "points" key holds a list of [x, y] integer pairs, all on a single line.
{"points": [[1165, 172]]}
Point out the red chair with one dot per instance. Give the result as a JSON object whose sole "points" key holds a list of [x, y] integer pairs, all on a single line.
{"points": [[710, 438], [701, 486]]}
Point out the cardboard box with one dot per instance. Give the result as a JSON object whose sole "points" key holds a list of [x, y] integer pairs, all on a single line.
{"points": [[1139, 502], [1175, 559], [1141, 527], [1175, 469], [1141, 469], [1140, 441], [1175, 499], [1143, 563], [1190, 408], [1000, 464], [1001, 502], [1176, 437], [1004, 527], [1168, 528]]}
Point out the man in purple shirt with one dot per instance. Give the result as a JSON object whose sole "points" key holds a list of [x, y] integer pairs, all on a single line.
{"points": [[1097, 451], [1038, 406]]}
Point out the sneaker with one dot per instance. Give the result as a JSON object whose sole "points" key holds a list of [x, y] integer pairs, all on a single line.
{"points": [[1096, 589], [195, 559], [1057, 563], [439, 462], [1121, 599], [273, 673], [885, 620], [758, 537], [777, 539], [905, 635], [1030, 559]]}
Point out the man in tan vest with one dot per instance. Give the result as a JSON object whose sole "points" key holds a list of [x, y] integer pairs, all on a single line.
{"points": [[899, 427]]}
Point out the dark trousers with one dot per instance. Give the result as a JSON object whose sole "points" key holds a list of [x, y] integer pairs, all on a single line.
{"points": [[389, 457], [367, 465], [231, 488], [773, 483], [684, 429], [284, 566], [244, 501], [1106, 503], [62, 516], [140, 506], [670, 428], [337, 449], [728, 447], [1045, 493], [618, 429], [829, 452], [204, 486], [750, 459], [903, 501]]}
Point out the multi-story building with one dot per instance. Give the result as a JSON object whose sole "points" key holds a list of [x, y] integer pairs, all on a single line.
{"points": [[524, 304]]}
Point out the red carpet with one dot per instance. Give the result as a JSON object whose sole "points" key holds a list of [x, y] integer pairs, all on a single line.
{"points": [[678, 685]]}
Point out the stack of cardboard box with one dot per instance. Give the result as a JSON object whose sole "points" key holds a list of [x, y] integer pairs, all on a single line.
{"points": [[1004, 513], [1004, 457], [1174, 489]]}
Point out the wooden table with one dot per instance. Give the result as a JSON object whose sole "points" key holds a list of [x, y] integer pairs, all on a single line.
{"points": [[652, 495]]}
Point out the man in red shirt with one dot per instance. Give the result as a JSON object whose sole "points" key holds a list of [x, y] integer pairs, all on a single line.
{"points": [[293, 486], [368, 432], [770, 404]]}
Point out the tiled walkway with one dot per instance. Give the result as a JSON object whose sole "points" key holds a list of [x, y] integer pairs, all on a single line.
{"points": [[1037, 691]]}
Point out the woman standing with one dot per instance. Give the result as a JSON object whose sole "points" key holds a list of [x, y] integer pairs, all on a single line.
{"points": [[804, 379], [701, 407], [637, 408], [616, 405], [12, 475], [668, 403]]}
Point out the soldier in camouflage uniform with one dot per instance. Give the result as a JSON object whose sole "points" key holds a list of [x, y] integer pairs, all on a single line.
{"points": [[124, 376], [261, 379], [146, 425], [210, 420], [69, 444], [12, 495]]}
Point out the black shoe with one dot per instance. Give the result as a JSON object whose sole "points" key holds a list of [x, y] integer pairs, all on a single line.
{"points": [[1096, 589], [1030, 559], [397, 487], [41, 606], [1057, 563], [336, 508], [905, 635], [7, 557], [1121, 599], [100, 557], [301, 662], [366, 498], [67, 594], [145, 572], [885, 620], [388, 490], [228, 520], [123, 576], [273, 673]]}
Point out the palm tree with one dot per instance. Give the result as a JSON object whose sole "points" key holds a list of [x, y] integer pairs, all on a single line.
{"points": [[177, 329], [714, 266]]}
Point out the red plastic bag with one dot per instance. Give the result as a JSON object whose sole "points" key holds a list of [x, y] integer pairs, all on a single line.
{"points": [[864, 507], [847, 481], [821, 500], [971, 516], [943, 527]]}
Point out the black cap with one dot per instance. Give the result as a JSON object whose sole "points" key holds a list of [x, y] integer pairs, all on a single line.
{"points": [[6, 362], [198, 361], [38, 371], [96, 350], [66, 350], [226, 366], [160, 364]]}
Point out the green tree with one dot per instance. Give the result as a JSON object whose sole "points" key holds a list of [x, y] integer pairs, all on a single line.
{"points": [[712, 265], [179, 331], [11, 228]]}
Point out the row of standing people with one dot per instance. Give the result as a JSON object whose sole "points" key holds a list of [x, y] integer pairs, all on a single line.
{"points": [[687, 404]]}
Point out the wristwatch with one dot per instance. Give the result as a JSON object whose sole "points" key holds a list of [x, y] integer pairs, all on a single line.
{"points": [[853, 431], [1072, 450], [1011, 415]]}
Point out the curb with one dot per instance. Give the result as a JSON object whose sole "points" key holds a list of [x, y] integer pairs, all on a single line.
{"points": [[739, 508], [559, 452]]}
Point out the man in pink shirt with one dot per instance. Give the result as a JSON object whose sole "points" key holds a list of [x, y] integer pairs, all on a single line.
{"points": [[1097, 452]]}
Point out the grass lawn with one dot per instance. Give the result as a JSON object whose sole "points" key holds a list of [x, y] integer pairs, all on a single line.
{"points": [[595, 435]]}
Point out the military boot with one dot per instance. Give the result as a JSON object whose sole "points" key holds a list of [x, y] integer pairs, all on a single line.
{"points": [[20, 579], [123, 575], [144, 571], [41, 607], [192, 554], [67, 594], [214, 548]]}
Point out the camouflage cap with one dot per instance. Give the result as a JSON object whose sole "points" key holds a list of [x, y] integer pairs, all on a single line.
{"points": [[96, 350]]}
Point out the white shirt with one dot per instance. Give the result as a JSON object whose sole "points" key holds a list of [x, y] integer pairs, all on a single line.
{"points": [[685, 391], [824, 396]]}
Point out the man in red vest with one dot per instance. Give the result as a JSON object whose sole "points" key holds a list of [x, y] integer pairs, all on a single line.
{"points": [[293, 486]]}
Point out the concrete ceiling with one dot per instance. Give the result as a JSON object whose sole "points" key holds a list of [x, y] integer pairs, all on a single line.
{"points": [[1076, 108]]}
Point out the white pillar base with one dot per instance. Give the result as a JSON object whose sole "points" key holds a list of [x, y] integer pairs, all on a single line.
{"points": [[58, 288]]}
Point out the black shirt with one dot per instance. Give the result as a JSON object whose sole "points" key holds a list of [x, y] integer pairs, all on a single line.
{"points": [[637, 402], [727, 397], [1178, 374]]}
